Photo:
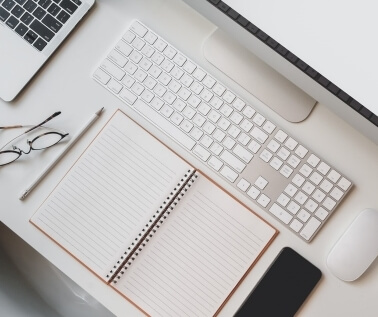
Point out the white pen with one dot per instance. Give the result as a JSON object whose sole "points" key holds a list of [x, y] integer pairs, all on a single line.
{"points": [[57, 159]]}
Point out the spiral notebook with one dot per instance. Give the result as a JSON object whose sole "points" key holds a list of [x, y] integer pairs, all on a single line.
{"points": [[151, 226]]}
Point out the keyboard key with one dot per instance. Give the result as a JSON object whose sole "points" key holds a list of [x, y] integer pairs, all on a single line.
{"points": [[53, 9], [243, 185], [209, 82], [344, 183], [296, 225], [337, 193], [63, 16], [177, 119], [44, 3], [263, 200], [303, 215], [253, 192], [17, 11], [215, 163], [12, 22], [179, 60], [261, 182], [313, 160], [273, 146], [329, 203], [301, 197], [216, 148], [21, 29], [259, 119], [239, 104], [128, 96], [241, 152], [293, 207], [316, 178], [321, 213], [308, 188], [291, 144], [305, 170], [139, 29], [283, 153], [290, 190], [310, 228], [229, 174], [311, 205], [27, 18], [41, 30], [219, 89], [259, 135], [326, 186], [233, 161], [30, 36], [39, 13], [281, 136], [4, 14], [30, 6], [77, 2], [8, 4], [283, 200], [206, 141], [101, 76], [269, 127], [318, 195], [68, 6], [52, 23], [280, 213], [301, 151], [40, 44], [333, 176], [112, 69], [293, 161], [266, 156], [254, 146], [286, 171], [323, 168], [298, 180], [114, 86]]}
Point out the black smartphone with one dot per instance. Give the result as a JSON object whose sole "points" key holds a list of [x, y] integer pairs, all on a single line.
{"points": [[283, 288]]}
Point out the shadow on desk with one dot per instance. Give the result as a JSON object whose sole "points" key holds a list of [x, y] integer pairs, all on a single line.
{"points": [[30, 286]]}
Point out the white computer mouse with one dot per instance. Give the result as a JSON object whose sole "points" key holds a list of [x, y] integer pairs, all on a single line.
{"points": [[357, 248]]}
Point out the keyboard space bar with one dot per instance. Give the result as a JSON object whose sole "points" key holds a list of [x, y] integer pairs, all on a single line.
{"points": [[162, 123]]}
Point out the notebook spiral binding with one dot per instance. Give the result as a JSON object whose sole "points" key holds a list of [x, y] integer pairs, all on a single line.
{"points": [[151, 227]]}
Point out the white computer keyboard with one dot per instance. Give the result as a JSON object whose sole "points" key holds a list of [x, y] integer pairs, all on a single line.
{"points": [[262, 161]]}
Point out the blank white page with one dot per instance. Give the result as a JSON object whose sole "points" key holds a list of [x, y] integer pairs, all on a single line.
{"points": [[198, 256], [110, 193]]}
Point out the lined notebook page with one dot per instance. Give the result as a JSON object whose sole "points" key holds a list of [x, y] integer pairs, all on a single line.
{"points": [[110, 193], [198, 256]]}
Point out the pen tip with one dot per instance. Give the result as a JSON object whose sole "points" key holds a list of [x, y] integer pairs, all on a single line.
{"points": [[99, 111]]}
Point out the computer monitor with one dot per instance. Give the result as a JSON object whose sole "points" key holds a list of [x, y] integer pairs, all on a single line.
{"points": [[325, 49]]}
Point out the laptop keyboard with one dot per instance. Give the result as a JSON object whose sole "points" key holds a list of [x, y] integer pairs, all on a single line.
{"points": [[271, 168], [37, 21]]}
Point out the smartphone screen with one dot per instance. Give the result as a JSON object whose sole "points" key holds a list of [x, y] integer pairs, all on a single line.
{"points": [[283, 288]]}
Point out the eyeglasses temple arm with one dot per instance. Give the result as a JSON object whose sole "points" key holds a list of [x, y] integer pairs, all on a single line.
{"points": [[48, 119], [11, 127]]}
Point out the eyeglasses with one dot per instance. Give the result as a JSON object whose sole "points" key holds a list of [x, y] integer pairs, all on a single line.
{"points": [[40, 142]]}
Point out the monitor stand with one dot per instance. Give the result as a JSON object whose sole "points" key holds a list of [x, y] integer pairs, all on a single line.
{"points": [[274, 90]]}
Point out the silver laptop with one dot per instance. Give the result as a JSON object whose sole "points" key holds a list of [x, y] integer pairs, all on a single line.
{"points": [[30, 31]]}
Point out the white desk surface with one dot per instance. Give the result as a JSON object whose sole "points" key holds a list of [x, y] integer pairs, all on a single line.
{"points": [[65, 84]]}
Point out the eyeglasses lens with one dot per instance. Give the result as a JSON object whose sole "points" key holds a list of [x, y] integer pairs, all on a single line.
{"points": [[46, 140], [7, 157]]}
